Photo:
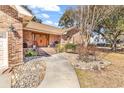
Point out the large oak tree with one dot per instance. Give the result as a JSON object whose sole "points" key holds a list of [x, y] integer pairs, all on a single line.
{"points": [[113, 26]]}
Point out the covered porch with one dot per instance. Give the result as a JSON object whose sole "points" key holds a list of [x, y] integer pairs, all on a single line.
{"points": [[40, 35]]}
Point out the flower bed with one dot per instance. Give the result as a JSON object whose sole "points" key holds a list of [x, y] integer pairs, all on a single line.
{"points": [[93, 65]]}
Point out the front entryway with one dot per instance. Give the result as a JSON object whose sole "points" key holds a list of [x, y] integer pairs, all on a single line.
{"points": [[3, 49], [41, 40]]}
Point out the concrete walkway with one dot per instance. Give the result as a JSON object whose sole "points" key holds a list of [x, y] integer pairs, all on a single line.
{"points": [[59, 74], [5, 81]]}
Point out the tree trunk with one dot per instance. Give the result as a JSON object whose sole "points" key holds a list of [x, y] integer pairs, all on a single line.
{"points": [[114, 46], [85, 43]]}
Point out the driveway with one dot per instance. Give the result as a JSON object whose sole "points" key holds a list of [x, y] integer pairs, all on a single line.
{"points": [[59, 73]]}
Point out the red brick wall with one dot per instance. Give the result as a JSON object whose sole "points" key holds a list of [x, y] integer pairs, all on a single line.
{"points": [[54, 38], [27, 37], [9, 16], [76, 38], [9, 11]]}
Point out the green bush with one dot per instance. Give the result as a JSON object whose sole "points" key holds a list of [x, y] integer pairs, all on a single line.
{"points": [[30, 53], [70, 46], [65, 47], [60, 48]]}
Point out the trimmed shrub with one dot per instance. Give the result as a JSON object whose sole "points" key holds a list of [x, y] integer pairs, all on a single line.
{"points": [[30, 53], [70, 47], [60, 48]]}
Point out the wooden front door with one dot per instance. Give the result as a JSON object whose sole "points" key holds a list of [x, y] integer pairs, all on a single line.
{"points": [[42, 40]]}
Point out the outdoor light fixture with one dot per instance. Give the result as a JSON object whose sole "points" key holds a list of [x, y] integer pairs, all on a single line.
{"points": [[12, 28]]}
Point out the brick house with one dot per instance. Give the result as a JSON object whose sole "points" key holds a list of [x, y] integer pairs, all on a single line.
{"points": [[17, 29], [72, 35]]}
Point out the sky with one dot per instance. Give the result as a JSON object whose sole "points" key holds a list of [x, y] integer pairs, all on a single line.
{"points": [[49, 14]]}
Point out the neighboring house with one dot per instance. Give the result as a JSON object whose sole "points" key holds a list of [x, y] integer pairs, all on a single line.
{"points": [[120, 42], [71, 35], [18, 31], [74, 35], [97, 39]]}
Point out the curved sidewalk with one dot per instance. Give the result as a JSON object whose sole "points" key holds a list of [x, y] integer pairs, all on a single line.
{"points": [[59, 74]]}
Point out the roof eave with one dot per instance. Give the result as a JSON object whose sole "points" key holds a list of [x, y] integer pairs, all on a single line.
{"points": [[41, 31]]}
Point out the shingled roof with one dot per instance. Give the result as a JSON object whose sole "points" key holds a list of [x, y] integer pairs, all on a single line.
{"points": [[69, 32], [38, 27]]}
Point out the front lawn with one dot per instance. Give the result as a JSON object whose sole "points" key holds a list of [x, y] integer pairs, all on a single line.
{"points": [[112, 76]]}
